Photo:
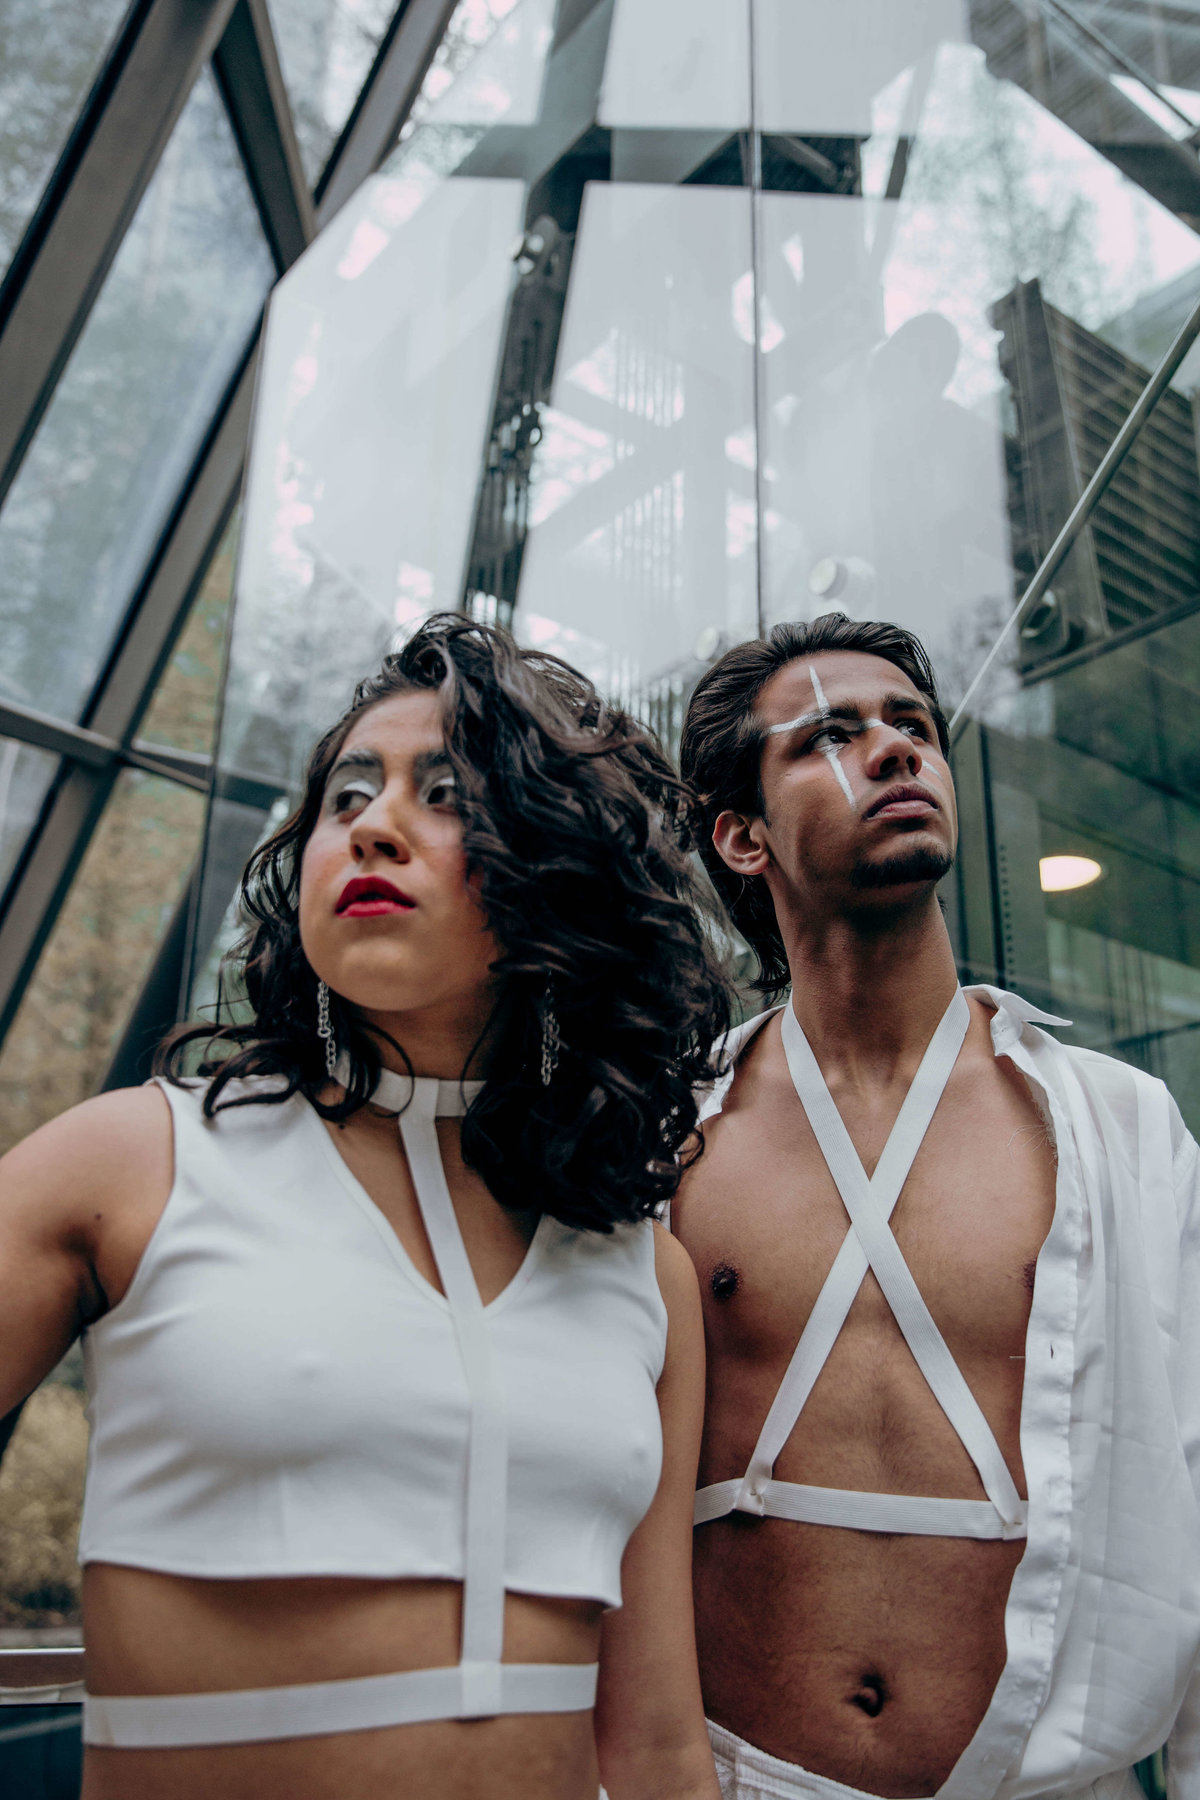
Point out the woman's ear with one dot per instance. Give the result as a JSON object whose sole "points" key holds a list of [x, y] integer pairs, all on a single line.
{"points": [[740, 843]]}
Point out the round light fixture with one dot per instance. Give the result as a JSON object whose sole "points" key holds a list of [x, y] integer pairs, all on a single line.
{"points": [[1062, 873]]}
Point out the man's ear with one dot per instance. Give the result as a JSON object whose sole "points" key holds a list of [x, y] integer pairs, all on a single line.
{"points": [[740, 843]]}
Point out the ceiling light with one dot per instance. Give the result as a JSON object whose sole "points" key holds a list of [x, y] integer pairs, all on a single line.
{"points": [[1061, 873]]}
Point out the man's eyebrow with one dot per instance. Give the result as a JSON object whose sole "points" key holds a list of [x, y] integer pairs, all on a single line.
{"points": [[846, 710], [906, 703], [852, 711]]}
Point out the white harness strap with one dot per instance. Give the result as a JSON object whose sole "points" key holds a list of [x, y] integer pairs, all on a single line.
{"points": [[869, 1243], [487, 1448], [481, 1685]]}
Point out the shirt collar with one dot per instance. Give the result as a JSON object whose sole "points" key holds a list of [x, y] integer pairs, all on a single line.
{"points": [[1012, 1014]]}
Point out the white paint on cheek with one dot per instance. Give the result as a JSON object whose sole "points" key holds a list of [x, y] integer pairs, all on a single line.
{"points": [[832, 752], [832, 755]]}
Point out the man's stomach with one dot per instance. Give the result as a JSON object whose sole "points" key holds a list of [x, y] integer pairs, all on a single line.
{"points": [[149, 1633], [864, 1657]]}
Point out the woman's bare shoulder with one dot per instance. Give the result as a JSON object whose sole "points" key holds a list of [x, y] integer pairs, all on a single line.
{"points": [[113, 1144]]}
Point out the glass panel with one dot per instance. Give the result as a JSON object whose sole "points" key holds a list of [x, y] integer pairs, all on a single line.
{"points": [[103, 944], [183, 712], [641, 536], [56, 1054], [904, 356], [984, 248], [41, 1496], [129, 413], [964, 283], [25, 777], [375, 383], [49, 57], [326, 48], [1102, 763]]}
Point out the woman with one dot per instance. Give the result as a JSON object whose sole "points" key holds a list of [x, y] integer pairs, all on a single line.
{"points": [[396, 1389]]}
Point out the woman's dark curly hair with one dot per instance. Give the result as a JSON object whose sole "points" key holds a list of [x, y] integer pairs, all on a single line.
{"points": [[720, 752], [578, 832]]}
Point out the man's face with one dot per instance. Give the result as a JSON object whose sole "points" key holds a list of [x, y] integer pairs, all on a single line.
{"points": [[859, 812]]}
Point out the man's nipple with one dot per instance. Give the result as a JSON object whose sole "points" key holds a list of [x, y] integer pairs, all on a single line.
{"points": [[724, 1281]]}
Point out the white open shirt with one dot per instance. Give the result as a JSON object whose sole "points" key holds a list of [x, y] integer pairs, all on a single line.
{"points": [[1103, 1617]]}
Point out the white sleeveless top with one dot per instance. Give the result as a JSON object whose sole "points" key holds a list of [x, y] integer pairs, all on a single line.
{"points": [[281, 1393]]}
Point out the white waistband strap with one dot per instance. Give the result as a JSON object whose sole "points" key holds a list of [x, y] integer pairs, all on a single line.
{"points": [[870, 1242], [367, 1703]]}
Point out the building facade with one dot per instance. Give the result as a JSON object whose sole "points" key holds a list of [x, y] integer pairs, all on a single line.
{"points": [[635, 326]]}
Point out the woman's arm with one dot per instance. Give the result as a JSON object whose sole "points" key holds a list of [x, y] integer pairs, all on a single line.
{"points": [[78, 1201], [650, 1733]]}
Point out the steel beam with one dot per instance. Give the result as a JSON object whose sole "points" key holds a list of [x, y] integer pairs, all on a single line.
{"points": [[385, 102], [156, 616], [104, 741], [246, 65], [79, 227]]}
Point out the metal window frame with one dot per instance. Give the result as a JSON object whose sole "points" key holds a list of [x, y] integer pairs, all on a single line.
{"points": [[55, 277]]}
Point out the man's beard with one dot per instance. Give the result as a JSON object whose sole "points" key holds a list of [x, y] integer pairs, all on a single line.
{"points": [[920, 863]]}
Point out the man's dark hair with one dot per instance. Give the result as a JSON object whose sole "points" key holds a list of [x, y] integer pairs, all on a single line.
{"points": [[721, 751]]}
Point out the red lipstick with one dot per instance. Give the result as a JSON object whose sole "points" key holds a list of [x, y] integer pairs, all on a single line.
{"points": [[371, 897]]}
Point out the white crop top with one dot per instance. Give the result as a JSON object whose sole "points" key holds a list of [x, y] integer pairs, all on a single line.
{"points": [[281, 1393]]}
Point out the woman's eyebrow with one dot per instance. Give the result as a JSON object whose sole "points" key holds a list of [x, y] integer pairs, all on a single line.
{"points": [[425, 760], [355, 759]]}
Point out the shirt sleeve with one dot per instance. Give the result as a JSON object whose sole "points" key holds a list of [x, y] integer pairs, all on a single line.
{"points": [[1183, 1746]]}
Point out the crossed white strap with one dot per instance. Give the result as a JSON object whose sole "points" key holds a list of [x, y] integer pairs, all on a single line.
{"points": [[869, 1243]]}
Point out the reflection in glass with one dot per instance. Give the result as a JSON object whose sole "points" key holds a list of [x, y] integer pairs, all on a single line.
{"points": [[326, 48], [25, 777], [49, 57], [102, 946], [160, 346], [641, 503], [677, 64], [373, 398], [865, 356], [892, 378]]}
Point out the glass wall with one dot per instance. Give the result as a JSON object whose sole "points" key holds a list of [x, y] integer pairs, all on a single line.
{"points": [[662, 320], [667, 320]]}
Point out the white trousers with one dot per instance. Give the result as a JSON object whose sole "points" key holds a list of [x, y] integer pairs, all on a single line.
{"points": [[746, 1773]]}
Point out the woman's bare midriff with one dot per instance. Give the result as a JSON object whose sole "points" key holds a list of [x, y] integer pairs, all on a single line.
{"points": [[864, 1657], [148, 1633]]}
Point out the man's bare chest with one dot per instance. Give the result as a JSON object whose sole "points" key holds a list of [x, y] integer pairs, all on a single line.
{"points": [[764, 1220]]}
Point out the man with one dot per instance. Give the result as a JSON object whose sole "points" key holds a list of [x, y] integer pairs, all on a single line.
{"points": [[948, 1538]]}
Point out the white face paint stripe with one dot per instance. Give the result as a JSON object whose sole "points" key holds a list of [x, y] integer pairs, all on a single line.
{"points": [[831, 752], [831, 755], [802, 719]]}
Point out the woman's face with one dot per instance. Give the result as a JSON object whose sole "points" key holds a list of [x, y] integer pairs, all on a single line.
{"points": [[387, 917]]}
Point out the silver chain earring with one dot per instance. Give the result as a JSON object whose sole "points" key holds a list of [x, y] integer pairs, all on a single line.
{"points": [[325, 1030], [550, 1037]]}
